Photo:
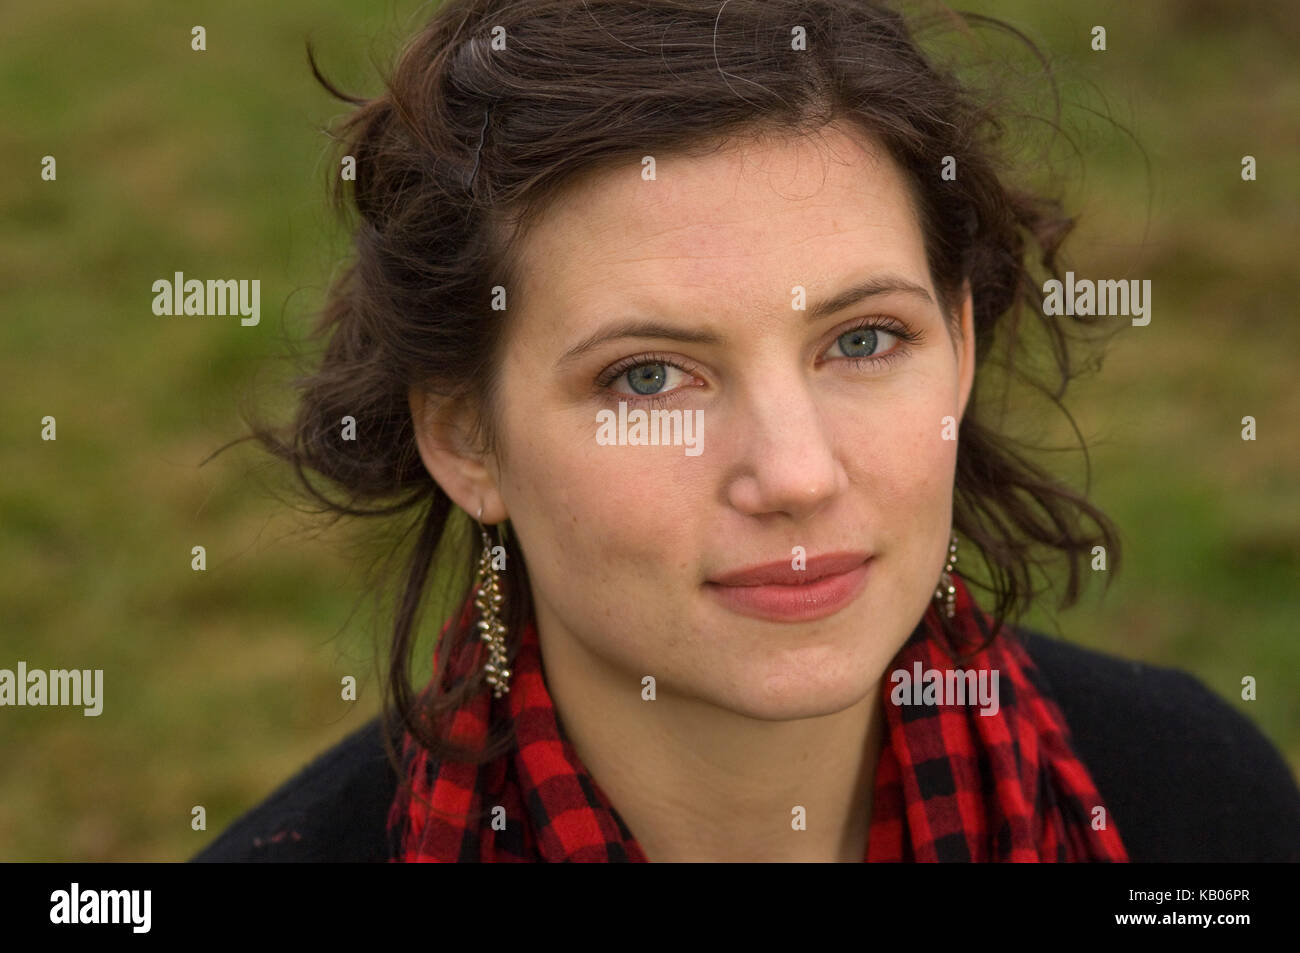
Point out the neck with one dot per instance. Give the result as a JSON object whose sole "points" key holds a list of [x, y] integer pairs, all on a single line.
{"points": [[695, 782]]}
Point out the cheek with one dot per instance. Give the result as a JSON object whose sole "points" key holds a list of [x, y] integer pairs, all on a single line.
{"points": [[909, 451], [902, 473], [592, 514]]}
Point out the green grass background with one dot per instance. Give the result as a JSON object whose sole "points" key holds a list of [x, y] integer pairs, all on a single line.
{"points": [[220, 684]]}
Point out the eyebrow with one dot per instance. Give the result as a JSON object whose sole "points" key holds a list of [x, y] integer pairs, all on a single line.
{"points": [[877, 285], [870, 288]]}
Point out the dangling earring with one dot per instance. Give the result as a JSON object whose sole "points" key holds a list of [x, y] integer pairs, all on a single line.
{"points": [[946, 591], [491, 628]]}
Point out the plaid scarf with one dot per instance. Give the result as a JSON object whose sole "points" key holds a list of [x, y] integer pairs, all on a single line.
{"points": [[951, 783]]}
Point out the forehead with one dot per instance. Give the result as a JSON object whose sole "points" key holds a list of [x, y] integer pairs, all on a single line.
{"points": [[746, 222]]}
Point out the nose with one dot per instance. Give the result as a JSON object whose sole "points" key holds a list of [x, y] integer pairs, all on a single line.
{"points": [[786, 458]]}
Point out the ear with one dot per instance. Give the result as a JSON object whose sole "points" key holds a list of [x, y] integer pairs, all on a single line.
{"points": [[965, 351], [443, 428]]}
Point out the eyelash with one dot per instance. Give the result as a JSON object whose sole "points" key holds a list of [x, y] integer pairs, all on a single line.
{"points": [[618, 369], [906, 338]]}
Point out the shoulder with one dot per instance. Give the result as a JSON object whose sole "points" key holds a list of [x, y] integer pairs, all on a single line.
{"points": [[1186, 776], [333, 810]]}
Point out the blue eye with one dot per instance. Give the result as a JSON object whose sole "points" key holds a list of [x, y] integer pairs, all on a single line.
{"points": [[647, 378], [860, 342], [656, 379]]}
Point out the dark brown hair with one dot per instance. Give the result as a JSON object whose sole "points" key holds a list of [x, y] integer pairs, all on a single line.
{"points": [[473, 136]]}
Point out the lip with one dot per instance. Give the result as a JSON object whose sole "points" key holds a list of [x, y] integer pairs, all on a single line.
{"points": [[776, 592]]}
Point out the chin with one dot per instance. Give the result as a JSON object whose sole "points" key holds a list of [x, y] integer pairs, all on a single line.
{"points": [[789, 697]]}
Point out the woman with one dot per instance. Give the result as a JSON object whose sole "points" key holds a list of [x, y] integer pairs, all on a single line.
{"points": [[682, 308]]}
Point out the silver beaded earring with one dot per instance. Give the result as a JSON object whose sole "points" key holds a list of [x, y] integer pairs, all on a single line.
{"points": [[491, 629], [946, 592]]}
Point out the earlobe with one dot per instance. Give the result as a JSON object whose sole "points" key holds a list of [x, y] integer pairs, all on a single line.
{"points": [[442, 427]]}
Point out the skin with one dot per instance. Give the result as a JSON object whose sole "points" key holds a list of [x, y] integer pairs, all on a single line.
{"points": [[802, 447]]}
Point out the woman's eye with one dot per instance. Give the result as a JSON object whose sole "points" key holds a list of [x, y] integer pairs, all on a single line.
{"points": [[650, 378], [862, 342]]}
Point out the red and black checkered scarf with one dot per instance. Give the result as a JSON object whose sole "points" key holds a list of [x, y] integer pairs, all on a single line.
{"points": [[951, 784]]}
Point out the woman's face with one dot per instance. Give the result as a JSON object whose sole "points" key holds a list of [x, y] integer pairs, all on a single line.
{"points": [[814, 432]]}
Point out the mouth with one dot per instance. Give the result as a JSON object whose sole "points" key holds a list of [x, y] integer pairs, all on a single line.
{"points": [[780, 593]]}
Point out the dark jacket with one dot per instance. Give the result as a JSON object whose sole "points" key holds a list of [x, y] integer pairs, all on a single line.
{"points": [[1186, 777]]}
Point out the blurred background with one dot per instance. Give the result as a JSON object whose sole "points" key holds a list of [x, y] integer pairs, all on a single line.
{"points": [[219, 685]]}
